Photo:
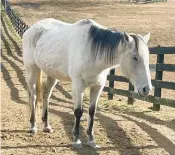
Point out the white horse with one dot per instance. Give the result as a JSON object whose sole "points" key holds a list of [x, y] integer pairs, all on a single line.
{"points": [[83, 53]]}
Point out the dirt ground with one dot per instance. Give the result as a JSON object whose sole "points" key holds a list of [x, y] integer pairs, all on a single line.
{"points": [[120, 129]]}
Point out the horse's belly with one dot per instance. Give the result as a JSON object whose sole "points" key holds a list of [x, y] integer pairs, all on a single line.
{"points": [[56, 74], [55, 67]]}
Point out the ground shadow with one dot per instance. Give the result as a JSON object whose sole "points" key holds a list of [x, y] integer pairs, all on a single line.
{"points": [[117, 135], [19, 72], [151, 119], [17, 48], [14, 92], [65, 93], [62, 105], [60, 100], [10, 54], [161, 140]]}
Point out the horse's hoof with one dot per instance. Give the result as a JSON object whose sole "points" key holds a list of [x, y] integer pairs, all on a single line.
{"points": [[47, 129], [33, 130], [77, 144], [92, 144]]}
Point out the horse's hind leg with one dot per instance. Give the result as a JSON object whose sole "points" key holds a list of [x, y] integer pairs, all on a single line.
{"points": [[51, 82], [31, 78]]}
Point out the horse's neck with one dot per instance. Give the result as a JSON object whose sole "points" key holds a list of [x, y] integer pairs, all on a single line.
{"points": [[103, 64]]}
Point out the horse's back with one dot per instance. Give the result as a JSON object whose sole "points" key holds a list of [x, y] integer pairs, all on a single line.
{"points": [[41, 27], [34, 33]]}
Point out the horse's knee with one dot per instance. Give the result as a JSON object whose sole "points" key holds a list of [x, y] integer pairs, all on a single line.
{"points": [[92, 110], [91, 120], [78, 112], [32, 119], [45, 115]]}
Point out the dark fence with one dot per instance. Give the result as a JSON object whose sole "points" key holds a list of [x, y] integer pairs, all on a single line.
{"points": [[159, 68], [19, 25]]}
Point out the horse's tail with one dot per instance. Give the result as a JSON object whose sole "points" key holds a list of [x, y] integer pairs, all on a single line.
{"points": [[39, 88]]}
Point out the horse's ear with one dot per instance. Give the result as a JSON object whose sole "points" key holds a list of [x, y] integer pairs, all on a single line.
{"points": [[147, 37], [127, 37]]}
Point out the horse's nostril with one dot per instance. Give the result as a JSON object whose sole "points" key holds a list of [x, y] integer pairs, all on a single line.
{"points": [[146, 90]]}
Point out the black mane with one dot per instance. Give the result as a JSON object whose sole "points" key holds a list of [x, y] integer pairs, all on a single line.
{"points": [[104, 42]]}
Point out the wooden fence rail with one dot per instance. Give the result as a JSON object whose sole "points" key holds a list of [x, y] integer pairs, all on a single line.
{"points": [[158, 84], [155, 83]]}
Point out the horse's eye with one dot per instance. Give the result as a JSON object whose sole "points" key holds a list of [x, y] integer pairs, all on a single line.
{"points": [[135, 58]]}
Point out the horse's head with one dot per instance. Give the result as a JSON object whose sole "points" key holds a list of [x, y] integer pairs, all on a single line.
{"points": [[135, 63]]}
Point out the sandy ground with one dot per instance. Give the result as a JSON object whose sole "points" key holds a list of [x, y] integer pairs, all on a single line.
{"points": [[119, 129]]}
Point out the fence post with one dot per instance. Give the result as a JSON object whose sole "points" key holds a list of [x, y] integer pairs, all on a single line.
{"points": [[111, 84], [159, 75], [130, 99]]}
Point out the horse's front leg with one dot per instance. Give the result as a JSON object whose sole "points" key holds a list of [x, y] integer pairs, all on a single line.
{"points": [[77, 89], [95, 92]]}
